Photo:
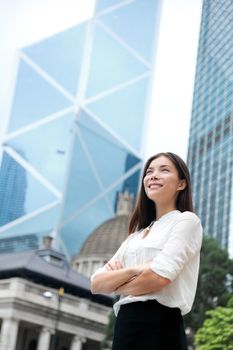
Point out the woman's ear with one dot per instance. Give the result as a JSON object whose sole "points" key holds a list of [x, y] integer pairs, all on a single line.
{"points": [[182, 185]]}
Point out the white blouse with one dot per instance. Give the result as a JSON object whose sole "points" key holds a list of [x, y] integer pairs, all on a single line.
{"points": [[173, 245]]}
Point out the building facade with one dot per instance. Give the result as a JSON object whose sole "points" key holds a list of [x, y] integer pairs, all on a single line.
{"points": [[46, 305], [78, 116], [210, 155], [28, 319], [13, 185]]}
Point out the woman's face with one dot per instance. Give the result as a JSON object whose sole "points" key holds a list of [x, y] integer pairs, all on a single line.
{"points": [[161, 182]]}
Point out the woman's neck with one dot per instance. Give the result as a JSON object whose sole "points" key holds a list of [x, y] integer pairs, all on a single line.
{"points": [[160, 210]]}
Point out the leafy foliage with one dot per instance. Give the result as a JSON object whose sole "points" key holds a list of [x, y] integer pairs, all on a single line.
{"points": [[214, 283], [217, 330], [230, 303]]}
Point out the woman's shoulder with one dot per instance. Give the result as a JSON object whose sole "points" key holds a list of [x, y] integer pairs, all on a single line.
{"points": [[132, 236], [188, 215]]}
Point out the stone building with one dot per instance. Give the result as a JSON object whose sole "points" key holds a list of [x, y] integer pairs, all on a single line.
{"points": [[46, 305]]}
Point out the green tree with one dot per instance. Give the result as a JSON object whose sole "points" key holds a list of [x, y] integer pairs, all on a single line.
{"points": [[214, 283], [230, 303], [217, 330]]}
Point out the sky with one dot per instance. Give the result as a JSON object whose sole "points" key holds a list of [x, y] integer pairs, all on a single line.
{"points": [[172, 88], [173, 83]]}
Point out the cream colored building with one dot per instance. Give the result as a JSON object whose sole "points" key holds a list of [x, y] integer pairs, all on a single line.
{"points": [[33, 315]]}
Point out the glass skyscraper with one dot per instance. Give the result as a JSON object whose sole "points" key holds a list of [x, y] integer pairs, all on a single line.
{"points": [[13, 184], [78, 116], [210, 155]]}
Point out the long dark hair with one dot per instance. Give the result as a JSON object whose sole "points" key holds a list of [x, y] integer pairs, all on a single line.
{"points": [[145, 210]]}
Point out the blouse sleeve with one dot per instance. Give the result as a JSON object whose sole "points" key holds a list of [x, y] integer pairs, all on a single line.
{"points": [[183, 244], [117, 256]]}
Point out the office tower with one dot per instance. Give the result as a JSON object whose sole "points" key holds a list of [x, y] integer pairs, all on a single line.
{"points": [[210, 155], [13, 184], [79, 114]]}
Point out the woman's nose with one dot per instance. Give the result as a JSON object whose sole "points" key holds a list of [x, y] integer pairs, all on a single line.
{"points": [[154, 176]]}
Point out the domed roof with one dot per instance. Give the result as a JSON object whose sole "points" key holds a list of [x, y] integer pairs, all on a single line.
{"points": [[107, 238]]}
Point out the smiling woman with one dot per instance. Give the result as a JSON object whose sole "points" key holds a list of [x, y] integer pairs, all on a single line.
{"points": [[156, 268], [162, 184]]}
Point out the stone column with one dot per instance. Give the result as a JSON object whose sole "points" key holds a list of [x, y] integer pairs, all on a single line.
{"points": [[89, 268], [44, 339], [77, 342], [9, 333]]}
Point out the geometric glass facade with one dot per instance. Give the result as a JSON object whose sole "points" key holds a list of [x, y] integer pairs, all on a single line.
{"points": [[76, 124], [210, 155]]}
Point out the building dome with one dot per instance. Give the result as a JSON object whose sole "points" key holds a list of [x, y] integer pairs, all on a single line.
{"points": [[107, 238], [102, 244]]}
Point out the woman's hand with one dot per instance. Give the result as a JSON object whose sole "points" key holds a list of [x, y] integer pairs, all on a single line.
{"points": [[114, 265], [117, 265]]}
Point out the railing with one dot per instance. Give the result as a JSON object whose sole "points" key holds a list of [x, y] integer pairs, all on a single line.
{"points": [[28, 290]]}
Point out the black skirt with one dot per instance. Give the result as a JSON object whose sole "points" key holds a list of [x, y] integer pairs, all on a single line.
{"points": [[148, 325]]}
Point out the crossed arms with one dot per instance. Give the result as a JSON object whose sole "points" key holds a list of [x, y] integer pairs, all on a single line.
{"points": [[134, 280]]}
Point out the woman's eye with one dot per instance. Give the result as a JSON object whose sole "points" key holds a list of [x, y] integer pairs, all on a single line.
{"points": [[165, 170]]}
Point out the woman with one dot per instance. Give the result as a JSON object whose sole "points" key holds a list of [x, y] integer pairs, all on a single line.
{"points": [[156, 268]]}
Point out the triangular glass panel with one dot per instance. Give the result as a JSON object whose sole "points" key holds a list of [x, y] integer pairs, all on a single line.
{"points": [[40, 225], [82, 185], [128, 103], [75, 232], [135, 24], [34, 98], [46, 148], [111, 159], [61, 56], [103, 4], [111, 64], [91, 125], [20, 192]]}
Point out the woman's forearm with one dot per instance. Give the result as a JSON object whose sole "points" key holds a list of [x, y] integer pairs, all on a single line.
{"points": [[109, 281], [145, 283]]}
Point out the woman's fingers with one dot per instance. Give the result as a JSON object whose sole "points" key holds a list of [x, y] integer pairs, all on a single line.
{"points": [[119, 265], [114, 265], [108, 267]]}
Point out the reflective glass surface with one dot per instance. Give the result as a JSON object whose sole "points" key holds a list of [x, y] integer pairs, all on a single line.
{"points": [[65, 53], [34, 98], [211, 145], [46, 147], [127, 104], [111, 64], [21, 193], [40, 224], [82, 185], [118, 21]]}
